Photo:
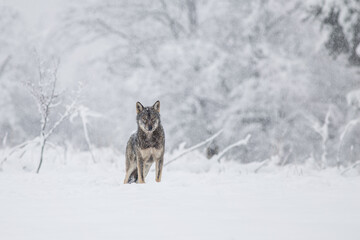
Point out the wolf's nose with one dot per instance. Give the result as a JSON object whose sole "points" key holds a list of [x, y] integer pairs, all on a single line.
{"points": [[150, 128]]}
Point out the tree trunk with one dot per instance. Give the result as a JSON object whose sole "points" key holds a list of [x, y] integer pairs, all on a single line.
{"points": [[43, 142]]}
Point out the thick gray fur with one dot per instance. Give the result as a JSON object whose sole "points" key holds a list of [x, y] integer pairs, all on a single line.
{"points": [[146, 145]]}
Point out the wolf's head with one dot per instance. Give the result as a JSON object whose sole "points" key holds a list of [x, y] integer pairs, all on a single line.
{"points": [[148, 118]]}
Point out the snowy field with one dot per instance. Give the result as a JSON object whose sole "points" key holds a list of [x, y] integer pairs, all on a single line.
{"points": [[286, 73], [197, 199]]}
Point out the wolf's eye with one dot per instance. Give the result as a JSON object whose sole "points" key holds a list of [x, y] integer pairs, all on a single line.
{"points": [[144, 120]]}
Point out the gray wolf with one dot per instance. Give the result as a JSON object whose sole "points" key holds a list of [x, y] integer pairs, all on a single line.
{"points": [[146, 145]]}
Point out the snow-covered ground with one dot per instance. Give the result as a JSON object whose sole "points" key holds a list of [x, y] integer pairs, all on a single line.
{"points": [[197, 199]]}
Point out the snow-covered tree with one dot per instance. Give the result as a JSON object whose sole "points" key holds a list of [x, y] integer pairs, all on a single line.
{"points": [[342, 21], [44, 92]]}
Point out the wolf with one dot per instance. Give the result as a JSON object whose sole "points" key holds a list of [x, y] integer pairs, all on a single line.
{"points": [[146, 145]]}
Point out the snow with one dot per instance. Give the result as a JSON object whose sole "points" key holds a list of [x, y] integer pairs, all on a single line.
{"points": [[197, 199]]}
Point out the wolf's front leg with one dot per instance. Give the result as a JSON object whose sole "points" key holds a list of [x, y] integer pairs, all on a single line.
{"points": [[158, 168], [140, 169]]}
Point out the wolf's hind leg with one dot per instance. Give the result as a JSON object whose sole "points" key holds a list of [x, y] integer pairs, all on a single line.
{"points": [[133, 176], [129, 172]]}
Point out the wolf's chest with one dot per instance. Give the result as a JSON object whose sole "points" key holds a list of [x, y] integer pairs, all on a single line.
{"points": [[147, 153]]}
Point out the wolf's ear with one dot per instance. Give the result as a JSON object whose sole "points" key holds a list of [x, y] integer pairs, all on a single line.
{"points": [[156, 106], [139, 107]]}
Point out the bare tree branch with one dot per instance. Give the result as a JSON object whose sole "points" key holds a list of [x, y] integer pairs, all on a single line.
{"points": [[110, 29], [357, 163], [236, 144], [263, 164], [4, 65], [349, 126], [83, 115], [192, 15], [194, 147], [16, 148], [164, 17]]}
